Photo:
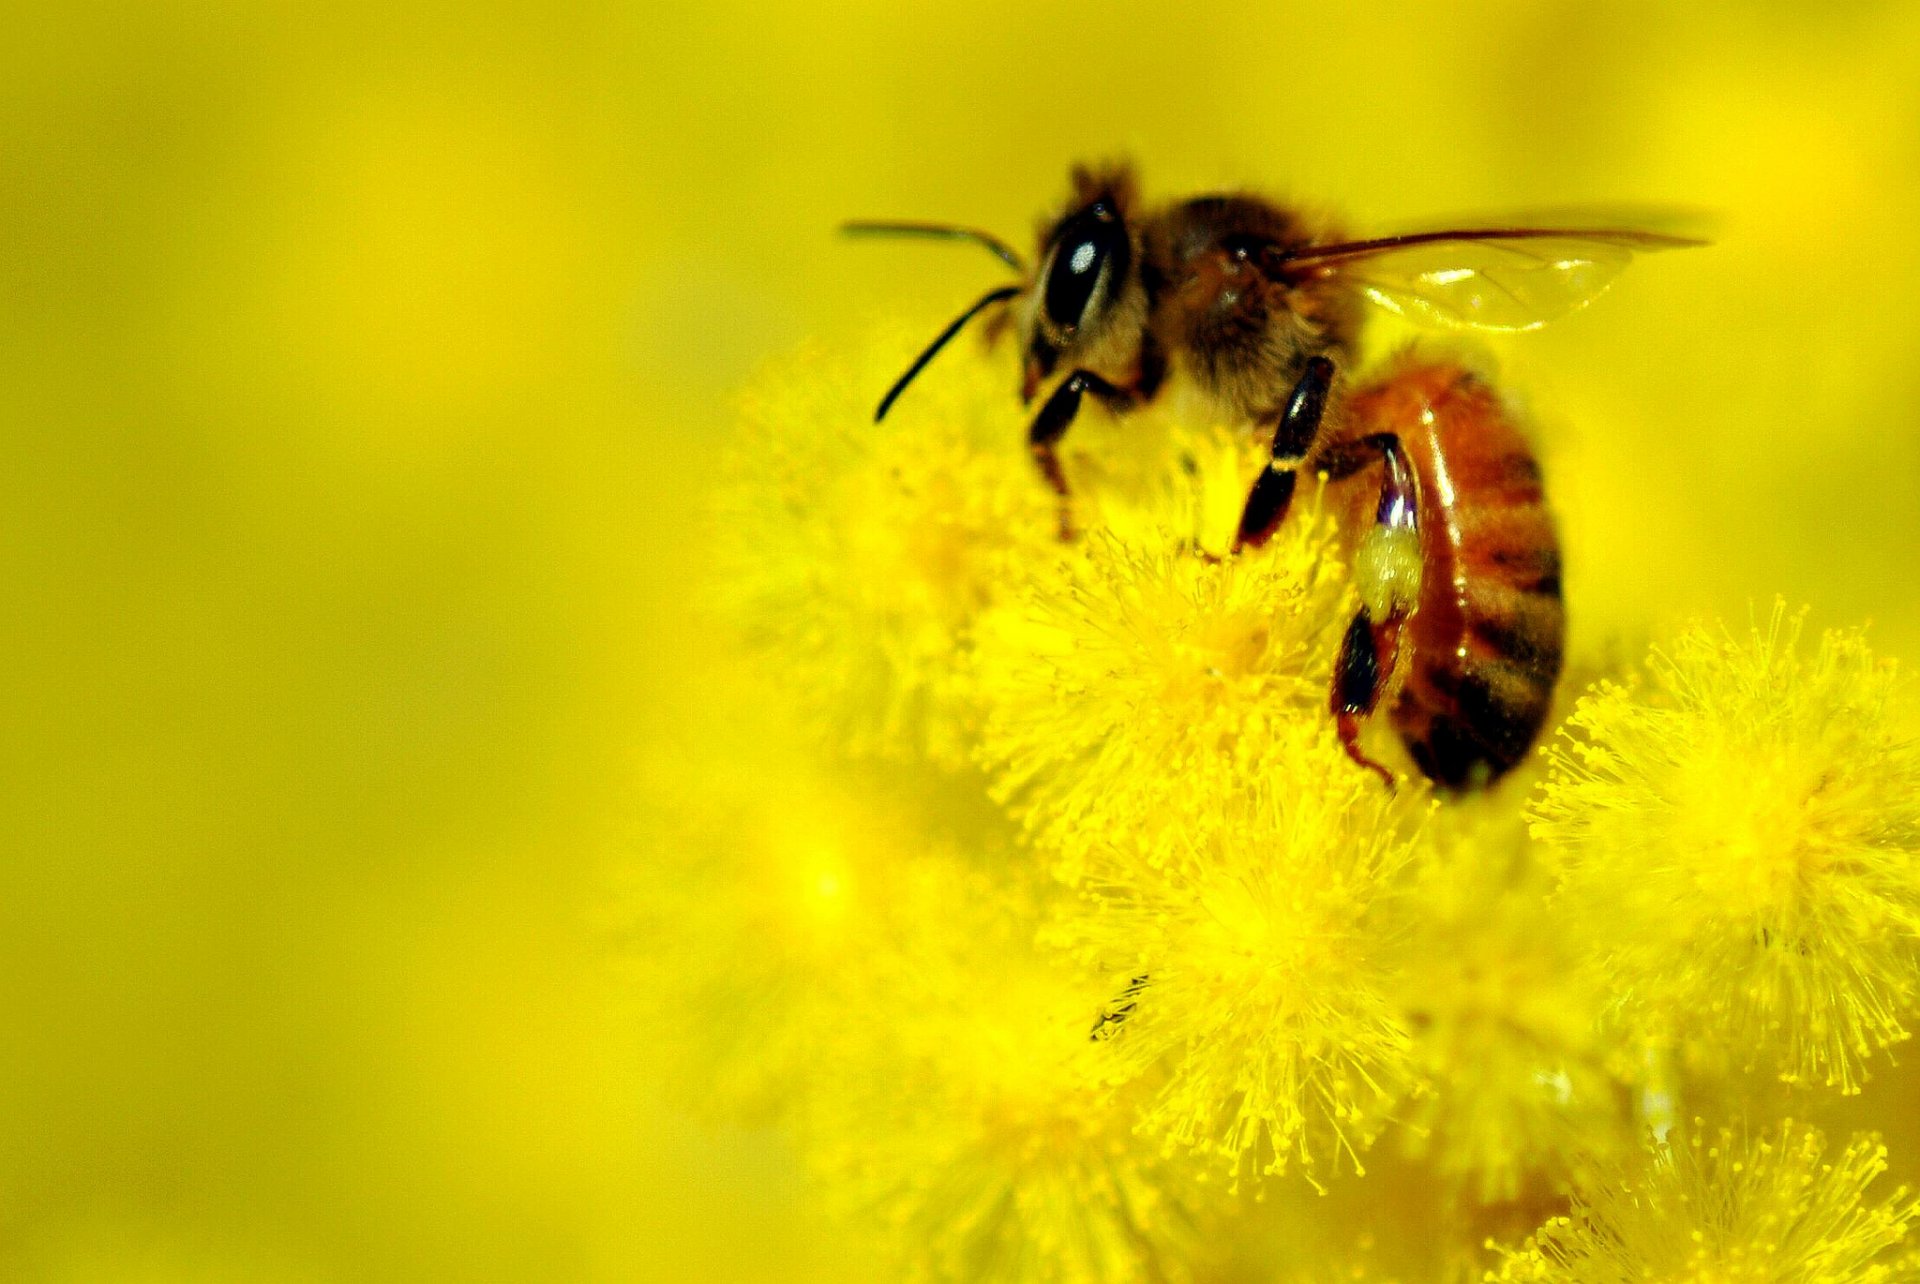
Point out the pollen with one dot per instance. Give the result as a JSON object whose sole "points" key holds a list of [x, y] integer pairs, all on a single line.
{"points": [[1387, 569]]}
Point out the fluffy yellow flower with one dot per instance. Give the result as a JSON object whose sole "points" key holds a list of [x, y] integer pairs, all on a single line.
{"points": [[767, 886], [1254, 958], [1504, 1027], [859, 554], [1149, 695], [962, 1119], [1250, 970], [1729, 1209], [1739, 848]]}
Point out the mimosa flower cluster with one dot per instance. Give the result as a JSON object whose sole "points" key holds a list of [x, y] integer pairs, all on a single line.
{"points": [[1021, 886]]}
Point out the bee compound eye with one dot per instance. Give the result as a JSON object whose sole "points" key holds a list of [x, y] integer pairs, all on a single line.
{"points": [[1090, 243]]}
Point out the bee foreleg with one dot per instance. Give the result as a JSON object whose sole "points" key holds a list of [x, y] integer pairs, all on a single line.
{"points": [[1051, 424], [1386, 574], [1293, 437]]}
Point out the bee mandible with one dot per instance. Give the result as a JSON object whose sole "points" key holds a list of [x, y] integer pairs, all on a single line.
{"points": [[1257, 310]]}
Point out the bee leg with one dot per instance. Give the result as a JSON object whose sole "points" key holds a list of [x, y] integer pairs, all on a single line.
{"points": [[1051, 424], [1293, 436], [1386, 572]]}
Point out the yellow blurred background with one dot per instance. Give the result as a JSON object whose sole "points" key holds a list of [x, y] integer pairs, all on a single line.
{"points": [[361, 370]]}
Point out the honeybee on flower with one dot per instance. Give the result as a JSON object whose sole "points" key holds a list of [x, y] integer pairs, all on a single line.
{"points": [[1248, 312], [1081, 930]]}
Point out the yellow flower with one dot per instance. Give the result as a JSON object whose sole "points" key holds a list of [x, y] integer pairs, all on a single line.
{"points": [[859, 554], [962, 1119], [1148, 695], [1250, 970], [767, 886], [1254, 958], [1739, 848], [1504, 1027], [1729, 1209]]}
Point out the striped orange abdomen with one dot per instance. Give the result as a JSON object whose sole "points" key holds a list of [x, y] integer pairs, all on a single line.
{"points": [[1487, 634]]}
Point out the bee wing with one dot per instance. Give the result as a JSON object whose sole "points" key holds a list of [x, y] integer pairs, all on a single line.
{"points": [[1490, 278]]}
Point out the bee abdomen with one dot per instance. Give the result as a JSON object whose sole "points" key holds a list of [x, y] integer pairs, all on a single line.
{"points": [[1488, 633]]}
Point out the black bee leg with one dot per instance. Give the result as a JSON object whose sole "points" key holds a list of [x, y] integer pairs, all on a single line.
{"points": [[1386, 573], [1357, 679], [1292, 437], [1051, 424]]}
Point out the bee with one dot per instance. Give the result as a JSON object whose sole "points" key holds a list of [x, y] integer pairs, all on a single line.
{"points": [[1257, 310]]}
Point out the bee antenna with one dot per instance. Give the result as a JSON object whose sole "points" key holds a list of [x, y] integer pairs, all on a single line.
{"points": [[942, 231], [992, 297]]}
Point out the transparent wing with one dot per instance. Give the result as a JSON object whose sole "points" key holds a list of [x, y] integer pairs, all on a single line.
{"points": [[1488, 279]]}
